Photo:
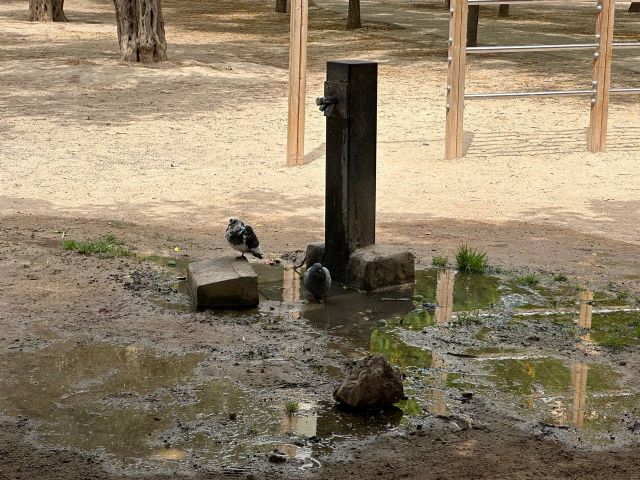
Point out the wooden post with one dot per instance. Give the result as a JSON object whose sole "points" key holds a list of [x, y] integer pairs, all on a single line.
{"points": [[297, 81], [597, 141], [455, 84]]}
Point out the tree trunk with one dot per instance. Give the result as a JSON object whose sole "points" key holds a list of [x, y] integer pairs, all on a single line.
{"points": [[46, 11], [353, 19], [141, 30], [503, 11], [281, 6], [634, 7], [472, 25]]}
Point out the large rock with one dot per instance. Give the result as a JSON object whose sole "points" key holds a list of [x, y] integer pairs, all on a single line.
{"points": [[226, 282], [380, 266], [372, 383]]}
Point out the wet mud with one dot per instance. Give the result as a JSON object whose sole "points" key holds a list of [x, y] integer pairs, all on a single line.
{"points": [[181, 392]]}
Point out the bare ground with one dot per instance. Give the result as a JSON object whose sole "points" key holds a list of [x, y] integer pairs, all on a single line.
{"points": [[163, 155]]}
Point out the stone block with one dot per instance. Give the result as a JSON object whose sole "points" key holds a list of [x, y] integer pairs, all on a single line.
{"points": [[379, 266], [225, 282], [314, 254]]}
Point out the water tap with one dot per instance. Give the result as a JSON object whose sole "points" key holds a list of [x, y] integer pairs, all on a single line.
{"points": [[324, 102]]}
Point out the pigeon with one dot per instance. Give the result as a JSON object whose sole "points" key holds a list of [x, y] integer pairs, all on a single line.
{"points": [[242, 238], [317, 281]]}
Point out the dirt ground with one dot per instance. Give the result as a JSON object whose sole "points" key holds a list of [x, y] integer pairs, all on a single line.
{"points": [[161, 156]]}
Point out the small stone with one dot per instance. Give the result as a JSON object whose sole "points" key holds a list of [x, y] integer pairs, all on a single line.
{"points": [[373, 382], [171, 263], [314, 254], [233, 416], [277, 458], [466, 397]]}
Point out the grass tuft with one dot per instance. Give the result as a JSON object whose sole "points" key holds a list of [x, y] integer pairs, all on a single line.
{"points": [[560, 277], [440, 262], [107, 246], [529, 280], [291, 407], [623, 295], [471, 260]]}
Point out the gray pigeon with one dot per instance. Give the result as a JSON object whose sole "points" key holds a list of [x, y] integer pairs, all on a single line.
{"points": [[317, 280], [242, 238]]}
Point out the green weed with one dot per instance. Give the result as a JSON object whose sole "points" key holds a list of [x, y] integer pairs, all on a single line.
{"points": [[471, 260], [107, 246], [622, 295], [529, 280], [291, 407], [440, 262]]}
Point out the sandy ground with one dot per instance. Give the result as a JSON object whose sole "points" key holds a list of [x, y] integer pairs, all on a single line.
{"points": [[203, 135], [162, 155]]}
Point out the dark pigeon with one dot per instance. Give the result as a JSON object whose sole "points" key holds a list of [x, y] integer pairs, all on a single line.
{"points": [[317, 280]]}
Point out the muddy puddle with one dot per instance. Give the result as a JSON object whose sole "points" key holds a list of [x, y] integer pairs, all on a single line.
{"points": [[536, 347], [537, 352], [140, 407]]}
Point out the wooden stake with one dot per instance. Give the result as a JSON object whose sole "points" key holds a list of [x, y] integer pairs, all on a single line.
{"points": [[297, 81], [456, 77], [597, 141]]}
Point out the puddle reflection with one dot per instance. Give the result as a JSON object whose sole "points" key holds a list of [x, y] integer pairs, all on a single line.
{"points": [[579, 373], [438, 405], [304, 422], [169, 454], [290, 285], [444, 295], [586, 309]]}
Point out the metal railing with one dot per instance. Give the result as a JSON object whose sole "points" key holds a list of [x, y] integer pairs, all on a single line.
{"points": [[601, 90], [532, 48], [545, 48], [550, 93]]}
